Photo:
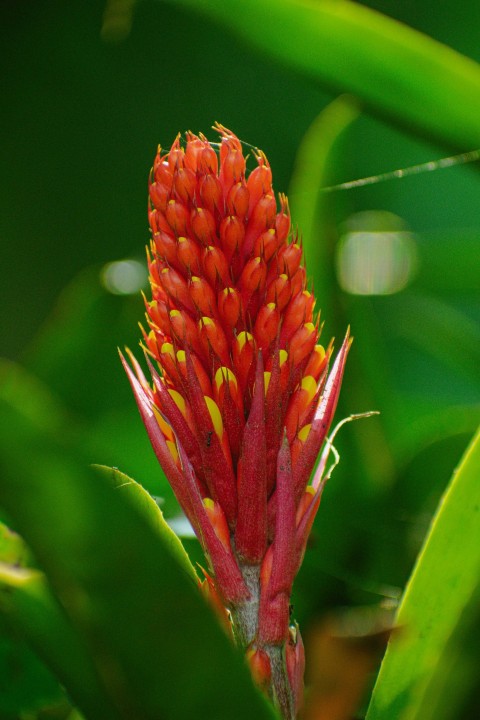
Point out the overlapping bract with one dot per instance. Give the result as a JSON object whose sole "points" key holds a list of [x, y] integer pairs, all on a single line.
{"points": [[243, 402]]}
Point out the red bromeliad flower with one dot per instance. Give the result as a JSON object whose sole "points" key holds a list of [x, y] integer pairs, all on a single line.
{"points": [[243, 401]]}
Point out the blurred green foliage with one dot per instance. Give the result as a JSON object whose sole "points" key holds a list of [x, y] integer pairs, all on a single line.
{"points": [[88, 91]]}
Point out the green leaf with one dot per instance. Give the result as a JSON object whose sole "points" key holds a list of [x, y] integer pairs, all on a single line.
{"points": [[144, 502], [26, 600], [441, 586], [26, 685], [155, 644], [399, 72]]}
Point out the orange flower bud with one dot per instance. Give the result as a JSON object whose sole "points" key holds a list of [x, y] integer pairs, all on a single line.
{"points": [[168, 360], [282, 221], [232, 233], [158, 314], [214, 340], [219, 522], [176, 156], [211, 193], [202, 296], [266, 244], [317, 362], [286, 261], [162, 172], [297, 282], [263, 215], [158, 221], [266, 326], [280, 291], [160, 195], [259, 182], [237, 200], [225, 381], [298, 312], [260, 667], [207, 160], [185, 331], [177, 217], [253, 276], [230, 307], [233, 166], [233, 163], [184, 183], [243, 348], [203, 226], [299, 405], [302, 343], [215, 267], [165, 246], [188, 255], [202, 376], [193, 151], [176, 287]]}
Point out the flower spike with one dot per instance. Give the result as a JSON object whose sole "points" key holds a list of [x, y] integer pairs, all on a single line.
{"points": [[240, 400]]}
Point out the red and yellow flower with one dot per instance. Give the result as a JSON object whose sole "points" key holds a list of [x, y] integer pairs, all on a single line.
{"points": [[242, 402]]}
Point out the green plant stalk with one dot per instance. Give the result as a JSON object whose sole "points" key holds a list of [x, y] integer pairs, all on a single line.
{"points": [[440, 588]]}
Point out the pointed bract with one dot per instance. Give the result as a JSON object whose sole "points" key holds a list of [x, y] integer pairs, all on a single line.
{"points": [[251, 530]]}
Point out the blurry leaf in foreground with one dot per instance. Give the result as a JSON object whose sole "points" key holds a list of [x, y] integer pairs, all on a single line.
{"points": [[26, 685], [150, 510], [27, 602], [440, 588], [155, 644]]}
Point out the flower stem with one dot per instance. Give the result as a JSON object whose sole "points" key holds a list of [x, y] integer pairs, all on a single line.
{"points": [[245, 616], [245, 627], [280, 683]]}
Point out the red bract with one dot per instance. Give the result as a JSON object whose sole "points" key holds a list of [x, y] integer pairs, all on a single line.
{"points": [[243, 401]]}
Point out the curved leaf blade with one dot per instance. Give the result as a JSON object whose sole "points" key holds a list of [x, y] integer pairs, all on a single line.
{"points": [[155, 644], [399, 72], [26, 600], [144, 502], [442, 583]]}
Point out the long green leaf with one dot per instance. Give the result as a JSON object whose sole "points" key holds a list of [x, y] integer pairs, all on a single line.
{"points": [[443, 582], [157, 647], [397, 71], [26, 600], [144, 502], [26, 684]]}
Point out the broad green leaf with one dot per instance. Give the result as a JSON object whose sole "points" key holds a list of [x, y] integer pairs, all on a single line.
{"points": [[441, 586], [26, 685], [397, 71], [144, 502], [26, 600], [156, 646]]}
